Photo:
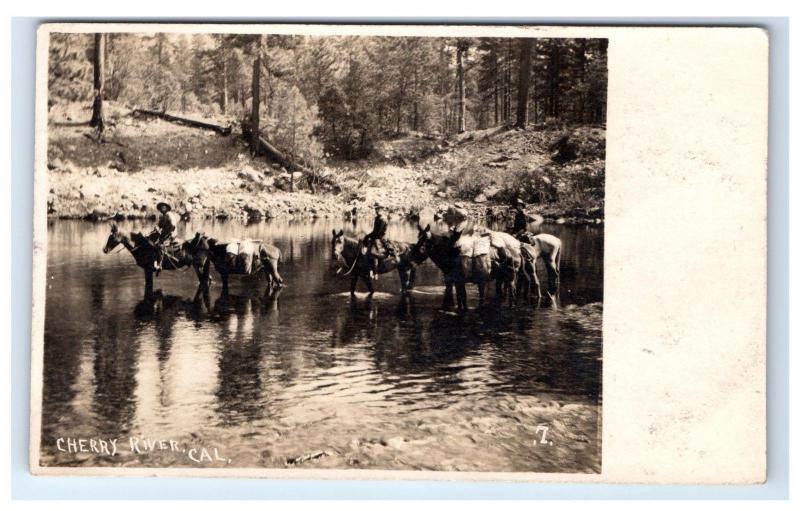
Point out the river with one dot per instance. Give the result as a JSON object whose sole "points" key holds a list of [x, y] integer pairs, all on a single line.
{"points": [[309, 378]]}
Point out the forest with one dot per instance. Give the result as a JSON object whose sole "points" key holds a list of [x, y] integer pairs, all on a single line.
{"points": [[317, 101], [338, 94]]}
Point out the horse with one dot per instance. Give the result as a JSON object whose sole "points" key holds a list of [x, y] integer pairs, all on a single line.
{"points": [[205, 251], [475, 258], [547, 248], [145, 253], [349, 253]]}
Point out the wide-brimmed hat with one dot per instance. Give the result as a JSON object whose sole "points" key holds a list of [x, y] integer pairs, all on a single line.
{"points": [[163, 205], [377, 206]]}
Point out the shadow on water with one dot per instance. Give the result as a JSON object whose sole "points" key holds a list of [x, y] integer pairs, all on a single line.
{"points": [[185, 361]]}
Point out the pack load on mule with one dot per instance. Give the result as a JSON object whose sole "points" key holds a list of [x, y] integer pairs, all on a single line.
{"points": [[236, 257], [475, 258], [485, 255], [242, 256]]}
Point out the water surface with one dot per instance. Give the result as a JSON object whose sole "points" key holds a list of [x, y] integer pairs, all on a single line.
{"points": [[310, 378]]}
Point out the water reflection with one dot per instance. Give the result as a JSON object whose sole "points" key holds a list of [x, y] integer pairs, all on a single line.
{"points": [[238, 368]]}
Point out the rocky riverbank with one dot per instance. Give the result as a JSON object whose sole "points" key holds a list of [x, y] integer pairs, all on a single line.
{"points": [[205, 175]]}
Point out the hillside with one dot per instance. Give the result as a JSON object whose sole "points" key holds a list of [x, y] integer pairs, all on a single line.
{"points": [[142, 161]]}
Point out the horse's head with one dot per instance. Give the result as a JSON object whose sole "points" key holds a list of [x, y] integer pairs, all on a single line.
{"points": [[424, 237], [337, 245], [114, 239], [197, 244]]}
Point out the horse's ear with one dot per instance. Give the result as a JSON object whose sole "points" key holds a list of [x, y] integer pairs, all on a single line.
{"points": [[341, 232], [428, 228], [334, 232]]}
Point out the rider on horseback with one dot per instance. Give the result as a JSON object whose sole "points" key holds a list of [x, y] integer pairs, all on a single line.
{"points": [[378, 235], [166, 226], [520, 226]]}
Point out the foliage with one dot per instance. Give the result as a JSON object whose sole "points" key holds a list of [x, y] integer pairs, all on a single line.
{"points": [[346, 92]]}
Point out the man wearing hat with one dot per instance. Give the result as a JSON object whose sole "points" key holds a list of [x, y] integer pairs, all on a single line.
{"points": [[378, 234], [166, 226], [520, 219]]}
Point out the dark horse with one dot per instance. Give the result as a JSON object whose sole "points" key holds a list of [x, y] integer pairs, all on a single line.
{"points": [[349, 253], [204, 251], [143, 250], [454, 255]]}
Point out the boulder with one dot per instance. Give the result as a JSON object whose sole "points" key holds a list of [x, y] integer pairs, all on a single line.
{"points": [[188, 190], [456, 212], [94, 188], [480, 198], [250, 175], [491, 191]]}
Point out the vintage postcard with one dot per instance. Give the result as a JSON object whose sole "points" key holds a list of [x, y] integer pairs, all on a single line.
{"points": [[439, 252]]}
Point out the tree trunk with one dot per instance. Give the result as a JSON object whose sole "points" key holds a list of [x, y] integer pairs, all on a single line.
{"points": [[99, 70], [224, 96], [255, 113], [462, 105], [523, 82], [443, 75]]}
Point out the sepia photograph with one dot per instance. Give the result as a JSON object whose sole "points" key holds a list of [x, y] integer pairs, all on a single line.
{"points": [[298, 251]]}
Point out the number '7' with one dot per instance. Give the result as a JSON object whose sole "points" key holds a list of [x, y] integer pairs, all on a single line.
{"points": [[544, 430]]}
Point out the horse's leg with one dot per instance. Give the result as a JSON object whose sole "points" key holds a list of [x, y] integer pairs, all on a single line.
{"points": [[403, 273], [535, 280], [148, 283], [552, 278], [368, 282], [224, 276], [271, 269], [512, 289], [353, 282], [448, 294], [481, 292], [412, 276], [461, 295]]}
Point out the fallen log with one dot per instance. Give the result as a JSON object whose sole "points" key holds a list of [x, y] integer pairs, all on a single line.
{"points": [[222, 130], [276, 155]]}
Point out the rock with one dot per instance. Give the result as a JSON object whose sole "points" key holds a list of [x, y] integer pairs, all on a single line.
{"points": [[395, 442], [94, 188], [297, 176], [96, 215], [250, 175], [491, 191], [188, 190], [441, 195], [456, 212], [480, 198], [56, 164], [253, 214]]}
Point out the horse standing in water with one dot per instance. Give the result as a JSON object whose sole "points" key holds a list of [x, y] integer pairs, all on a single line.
{"points": [[145, 253], [349, 253], [461, 263], [547, 248], [204, 251]]}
